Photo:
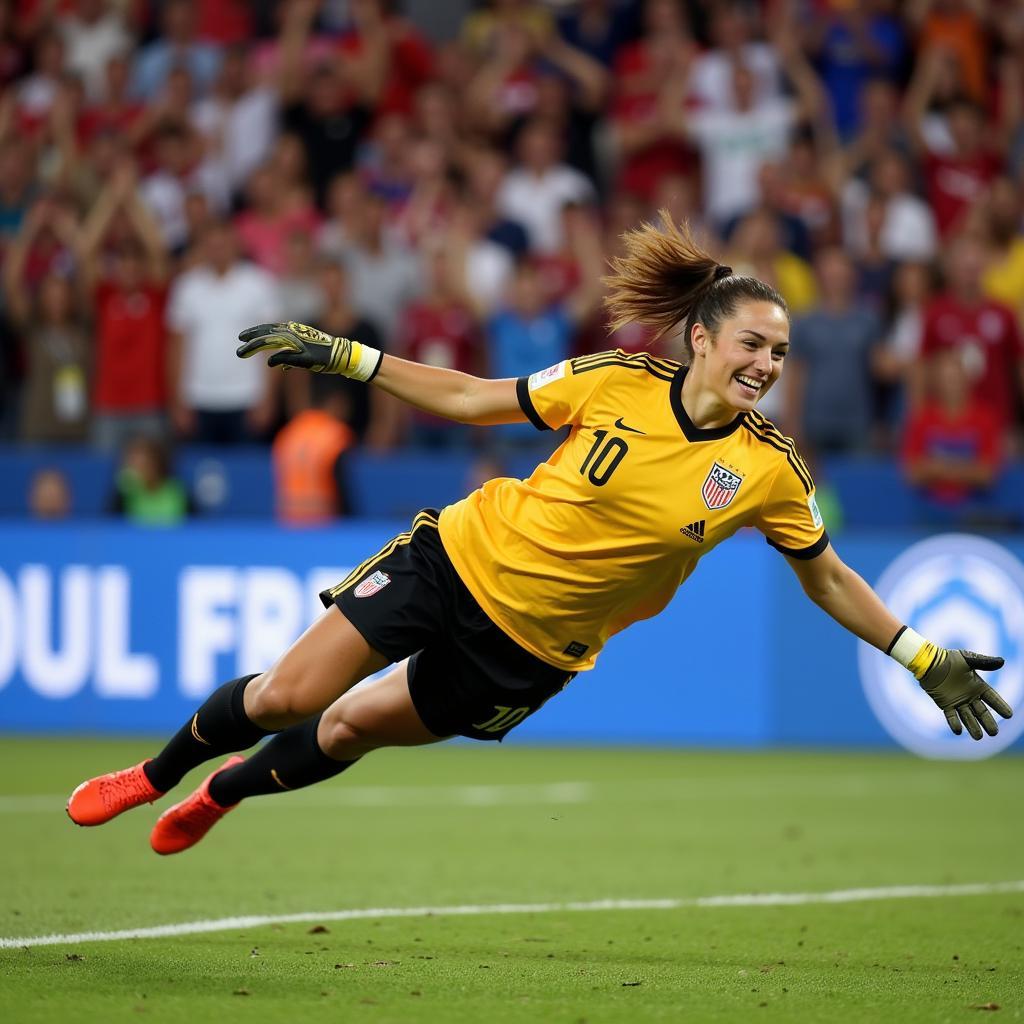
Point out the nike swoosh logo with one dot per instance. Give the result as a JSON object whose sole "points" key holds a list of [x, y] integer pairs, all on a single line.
{"points": [[619, 425]]}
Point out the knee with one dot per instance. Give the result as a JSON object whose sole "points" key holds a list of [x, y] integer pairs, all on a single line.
{"points": [[342, 739], [273, 701]]}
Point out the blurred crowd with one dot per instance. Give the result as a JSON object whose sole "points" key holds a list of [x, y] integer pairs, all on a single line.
{"points": [[172, 171]]}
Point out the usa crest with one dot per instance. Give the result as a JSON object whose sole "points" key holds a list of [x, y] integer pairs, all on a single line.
{"points": [[372, 584], [720, 486]]}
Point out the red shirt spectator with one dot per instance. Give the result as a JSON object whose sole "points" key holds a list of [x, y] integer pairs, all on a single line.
{"points": [[130, 351], [987, 337], [955, 182], [970, 436]]}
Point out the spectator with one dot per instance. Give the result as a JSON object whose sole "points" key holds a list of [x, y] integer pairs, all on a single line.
{"points": [[755, 247], [598, 28], [1001, 231], [35, 93], [177, 46], [486, 171], [829, 400], [958, 155], [713, 82], [166, 189], [308, 455], [528, 331], [326, 110], [146, 492], [984, 333], [386, 54], [439, 329], [648, 82], [215, 399], [485, 264], [55, 398], [954, 445], [94, 33], [910, 290], [129, 296], [383, 274], [534, 192], [851, 45], [734, 141], [908, 230], [49, 496], [112, 109], [238, 120], [372, 414], [272, 215]]}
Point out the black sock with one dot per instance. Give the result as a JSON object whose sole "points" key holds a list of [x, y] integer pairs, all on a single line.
{"points": [[291, 760], [220, 726]]}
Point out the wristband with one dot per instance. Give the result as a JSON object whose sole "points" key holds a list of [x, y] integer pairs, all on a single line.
{"points": [[364, 362], [912, 651]]}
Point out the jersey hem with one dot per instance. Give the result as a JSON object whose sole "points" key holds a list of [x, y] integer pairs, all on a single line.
{"points": [[804, 554], [488, 610], [526, 403]]}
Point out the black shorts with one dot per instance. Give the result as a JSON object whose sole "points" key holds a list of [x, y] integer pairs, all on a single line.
{"points": [[466, 677]]}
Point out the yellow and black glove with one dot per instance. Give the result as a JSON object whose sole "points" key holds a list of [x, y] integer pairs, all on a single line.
{"points": [[295, 344], [965, 698]]}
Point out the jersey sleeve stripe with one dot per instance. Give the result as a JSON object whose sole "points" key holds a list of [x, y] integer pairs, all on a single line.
{"points": [[626, 365], [803, 554], [627, 358], [526, 403], [786, 447]]}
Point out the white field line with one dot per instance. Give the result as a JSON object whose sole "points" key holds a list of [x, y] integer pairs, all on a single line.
{"points": [[375, 796], [777, 899]]}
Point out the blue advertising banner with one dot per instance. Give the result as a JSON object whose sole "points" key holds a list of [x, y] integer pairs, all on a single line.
{"points": [[109, 629]]}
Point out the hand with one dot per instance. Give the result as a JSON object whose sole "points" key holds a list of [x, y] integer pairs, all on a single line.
{"points": [[953, 684], [295, 344]]}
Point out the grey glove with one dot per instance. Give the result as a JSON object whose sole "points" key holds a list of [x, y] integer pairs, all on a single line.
{"points": [[951, 681], [295, 344]]}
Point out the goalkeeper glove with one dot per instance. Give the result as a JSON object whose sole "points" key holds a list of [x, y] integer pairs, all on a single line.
{"points": [[294, 344], [950, 679]]}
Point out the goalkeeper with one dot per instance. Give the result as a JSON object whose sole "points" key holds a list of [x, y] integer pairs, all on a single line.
{"points": [[490, 607]]}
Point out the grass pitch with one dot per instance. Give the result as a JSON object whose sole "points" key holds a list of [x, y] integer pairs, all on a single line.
{"points": [[476, 826]]}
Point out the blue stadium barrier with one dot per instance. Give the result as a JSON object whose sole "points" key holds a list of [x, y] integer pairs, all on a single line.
{"points": [[238, 483], [108, 629]]}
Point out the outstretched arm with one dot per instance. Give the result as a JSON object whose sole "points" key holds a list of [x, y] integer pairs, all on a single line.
{"points": [[947, 676], [448, 393]]}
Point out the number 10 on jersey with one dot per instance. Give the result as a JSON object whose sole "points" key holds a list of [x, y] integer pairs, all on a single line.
{"points": [[603, 457]]}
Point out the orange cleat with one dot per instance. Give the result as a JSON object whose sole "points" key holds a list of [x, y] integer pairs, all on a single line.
{"points": [[98, 800], [184, 824]]}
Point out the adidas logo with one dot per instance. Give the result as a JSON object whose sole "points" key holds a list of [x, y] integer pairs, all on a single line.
{"points": [[695, 531]]}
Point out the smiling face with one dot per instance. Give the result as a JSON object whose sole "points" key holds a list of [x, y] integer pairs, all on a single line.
{"points": [[735, 368]]}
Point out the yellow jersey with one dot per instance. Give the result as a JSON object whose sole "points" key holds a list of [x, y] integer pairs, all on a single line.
{"points": [[603, 532]]}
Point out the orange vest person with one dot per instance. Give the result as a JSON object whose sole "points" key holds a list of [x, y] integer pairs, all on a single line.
{"points": [[307, 457]]}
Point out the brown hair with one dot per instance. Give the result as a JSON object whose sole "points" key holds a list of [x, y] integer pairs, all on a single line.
{"points": [[665, 277]]}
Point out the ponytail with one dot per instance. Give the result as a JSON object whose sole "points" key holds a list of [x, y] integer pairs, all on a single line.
{"points": [[666, 278]]}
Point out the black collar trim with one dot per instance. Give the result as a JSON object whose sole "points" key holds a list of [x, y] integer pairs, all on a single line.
{"points": [[692, 432]]}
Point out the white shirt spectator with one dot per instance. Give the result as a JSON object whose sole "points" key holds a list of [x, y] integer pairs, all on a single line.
{"points": [[733, 145], [710, 84], [908, 230], [488, 271], [89, 45], [165, 194], [382, 283], [241, 132], [536, 201], [208, 310]]}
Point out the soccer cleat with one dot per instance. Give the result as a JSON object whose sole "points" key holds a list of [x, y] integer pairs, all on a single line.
{"points": [[98, 800], [184, 824]]}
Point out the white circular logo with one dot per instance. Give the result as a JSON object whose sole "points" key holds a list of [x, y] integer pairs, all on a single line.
{"points": [[961, 592]]}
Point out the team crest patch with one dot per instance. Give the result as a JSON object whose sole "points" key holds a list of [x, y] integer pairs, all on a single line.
{"points": [[372, 584], [720, 486]]}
